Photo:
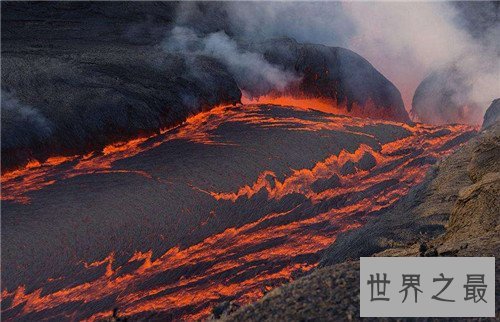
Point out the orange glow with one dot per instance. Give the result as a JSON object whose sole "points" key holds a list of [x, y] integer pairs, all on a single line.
{"points": [[300, 237], [35, 176], [322, 105], [366, 110]]}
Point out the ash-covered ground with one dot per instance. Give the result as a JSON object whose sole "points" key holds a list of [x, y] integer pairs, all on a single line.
{"points": [[236, 201]]}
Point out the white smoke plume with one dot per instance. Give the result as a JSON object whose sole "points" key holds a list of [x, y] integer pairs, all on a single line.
{"points": [[406, 41], [22, 124], [251, 71]]}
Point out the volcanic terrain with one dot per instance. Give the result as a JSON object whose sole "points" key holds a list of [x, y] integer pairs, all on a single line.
{"points": [[159, 160], [235, 201], [455, 211]]}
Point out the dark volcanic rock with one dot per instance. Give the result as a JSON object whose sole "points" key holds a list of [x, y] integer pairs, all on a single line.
{"points": [[367, 161], [78, 76], [43, 24], [83, 75], [492, 114], [336, 74], [413, 227], [348, 168], [444, 97], [324, 184], [106, 94]]}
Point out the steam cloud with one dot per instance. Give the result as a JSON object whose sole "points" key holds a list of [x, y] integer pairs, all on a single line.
{"points": [[22, 125], [405, 41], [427, 37], [251, 71]]}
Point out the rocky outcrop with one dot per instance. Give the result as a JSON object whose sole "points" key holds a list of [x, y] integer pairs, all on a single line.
{"points": [[328, 294], [482, 200], [79, 76], [492, 114], [336, 74], [455, 211], [444, 97], [474, 225]]}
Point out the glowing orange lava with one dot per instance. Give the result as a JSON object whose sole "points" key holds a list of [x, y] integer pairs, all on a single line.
{"points": [[322, 105], [366, 110], [233, 252]]}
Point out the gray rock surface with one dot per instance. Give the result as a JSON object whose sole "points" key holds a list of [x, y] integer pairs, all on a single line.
{"points": [[445, 96], [328, 294], [336, 74], [492, 114]]}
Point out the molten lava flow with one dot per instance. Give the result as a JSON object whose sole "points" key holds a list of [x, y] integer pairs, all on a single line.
{"points": [[322, 105], [35, 176], [238, 263], [366, 110]]}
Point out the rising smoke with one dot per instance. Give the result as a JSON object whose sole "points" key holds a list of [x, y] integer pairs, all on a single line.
{"points": [[405, 41], [72, 98], [251, 71], [22, 125]]}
